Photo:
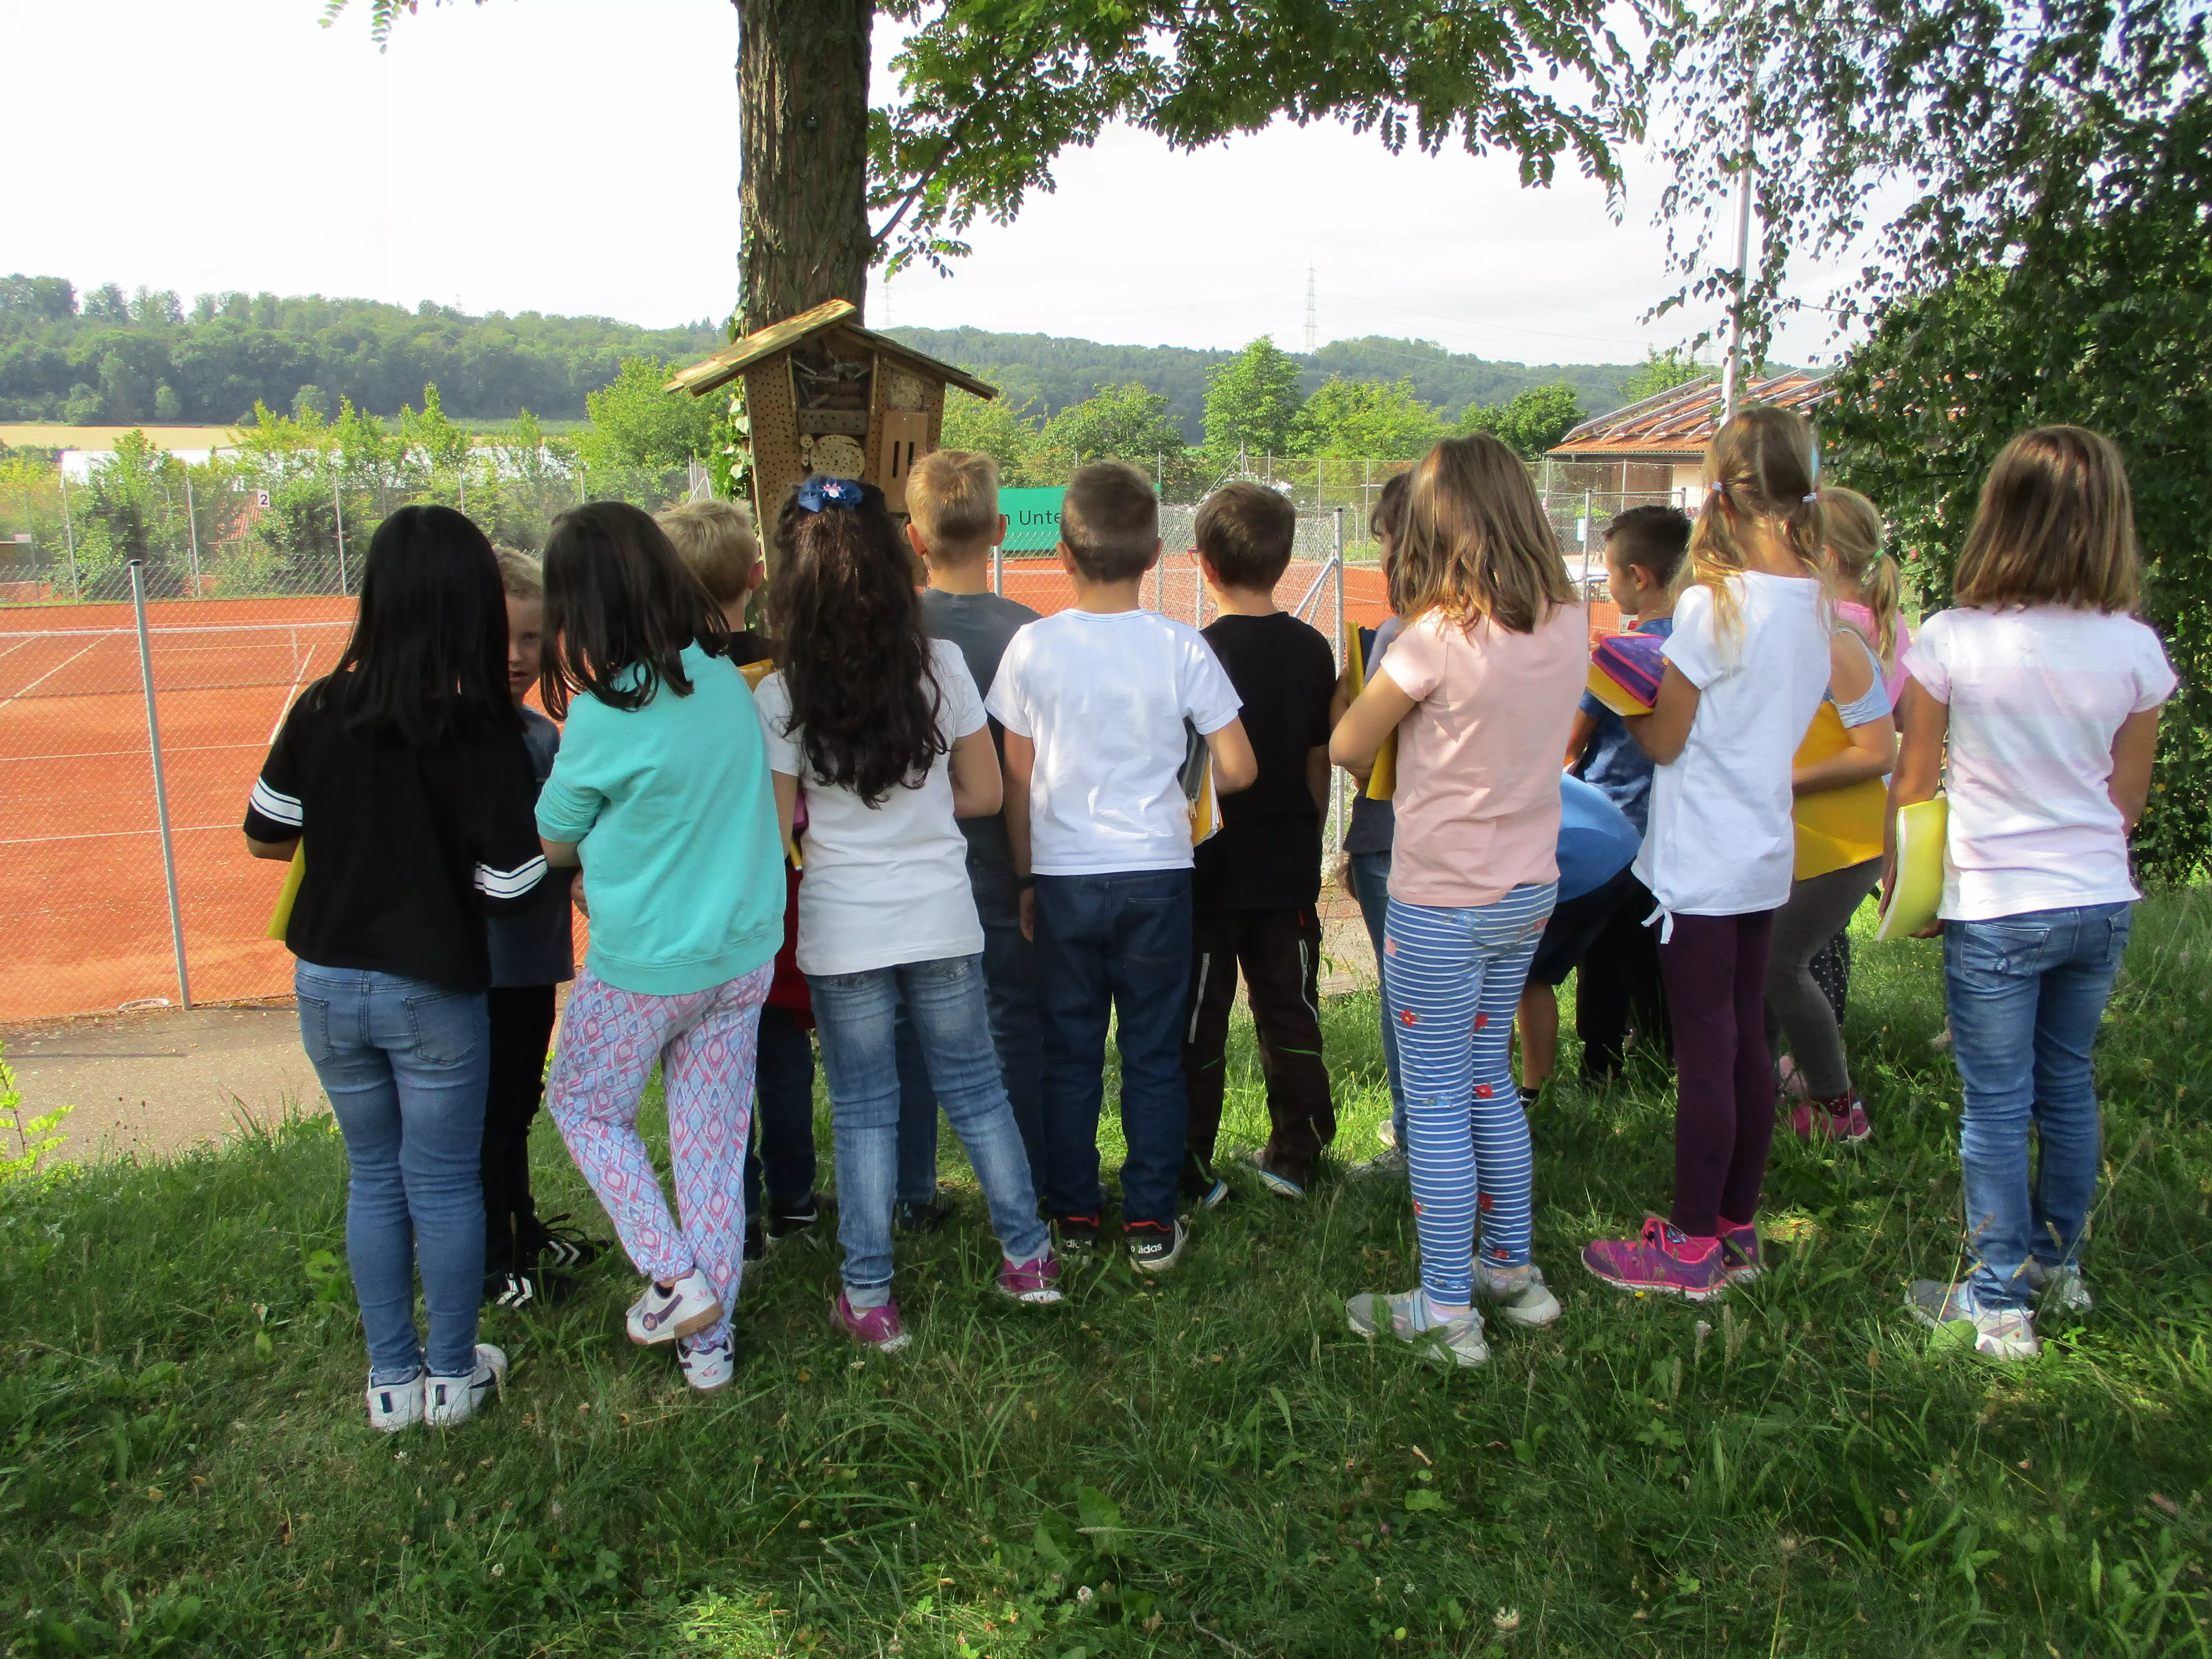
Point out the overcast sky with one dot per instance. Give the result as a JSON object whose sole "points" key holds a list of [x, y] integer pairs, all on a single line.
{"points": [[580, 156]]}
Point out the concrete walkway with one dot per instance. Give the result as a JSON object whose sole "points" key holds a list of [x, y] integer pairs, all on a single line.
{"points": [[159, 1080]]}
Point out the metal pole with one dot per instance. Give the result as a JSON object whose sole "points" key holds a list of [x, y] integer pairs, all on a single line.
{"points": [[337, 506], [1340, 633], [193, 524], [999, 568], [1732, 372], [160, 783], [69, 533]]}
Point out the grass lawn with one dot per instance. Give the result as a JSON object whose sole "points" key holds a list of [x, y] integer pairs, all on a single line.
{"points": [[1211, 1465]]}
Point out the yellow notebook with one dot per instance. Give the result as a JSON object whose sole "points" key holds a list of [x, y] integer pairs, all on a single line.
{"points": [[1918, 892], [1837, 828], [279, 918], [1383, 780]]}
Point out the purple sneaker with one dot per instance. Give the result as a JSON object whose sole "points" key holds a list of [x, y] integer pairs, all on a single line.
{"points": [[1663, 1260], [1036, 1282], [1740, 1262], [879, 1328]]}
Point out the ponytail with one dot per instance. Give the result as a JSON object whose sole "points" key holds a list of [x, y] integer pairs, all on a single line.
{"points": [[1855, 538], [1761, 466]]}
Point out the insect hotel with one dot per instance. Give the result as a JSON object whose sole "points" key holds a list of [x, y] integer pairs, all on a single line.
{"points": [[825, 395]]}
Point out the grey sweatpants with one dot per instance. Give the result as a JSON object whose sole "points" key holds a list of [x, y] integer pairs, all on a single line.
{"points": [[1818, 909]]}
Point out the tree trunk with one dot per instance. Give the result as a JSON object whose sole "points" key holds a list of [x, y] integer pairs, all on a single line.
{"points": [[803, 144]]}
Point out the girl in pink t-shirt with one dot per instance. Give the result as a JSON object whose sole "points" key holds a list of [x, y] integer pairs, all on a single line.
{"points": [[1481, 686]]}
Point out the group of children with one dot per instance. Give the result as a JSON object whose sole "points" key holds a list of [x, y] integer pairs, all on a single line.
{"points": [[955, 839]]}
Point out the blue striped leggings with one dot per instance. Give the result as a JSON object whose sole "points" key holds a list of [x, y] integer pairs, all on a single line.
{"points": [[1454, 977]]}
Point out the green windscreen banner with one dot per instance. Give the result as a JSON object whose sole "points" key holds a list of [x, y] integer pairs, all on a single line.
{"points": [[1032, 519]]}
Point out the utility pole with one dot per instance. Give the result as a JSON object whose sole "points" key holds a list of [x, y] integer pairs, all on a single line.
{"points": [[1747, 177]]}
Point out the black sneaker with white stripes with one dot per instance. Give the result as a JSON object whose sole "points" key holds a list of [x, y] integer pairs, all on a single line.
{"points": [[560, 1246]]}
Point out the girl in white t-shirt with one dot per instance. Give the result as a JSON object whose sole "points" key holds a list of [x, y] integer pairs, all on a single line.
{"points": [[883, 729], [1747, 666], [2046, 692]]}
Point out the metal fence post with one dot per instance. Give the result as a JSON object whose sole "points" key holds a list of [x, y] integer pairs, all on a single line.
{"points": [[160, 783], [1343, 634], [337, 506], [69, 533], [192, 525], [999, 568]]}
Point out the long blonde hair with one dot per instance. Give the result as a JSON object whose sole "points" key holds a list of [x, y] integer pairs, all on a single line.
{"points": [[1855, 534], [1761, 466], [1474, 542], [2057, 526]]}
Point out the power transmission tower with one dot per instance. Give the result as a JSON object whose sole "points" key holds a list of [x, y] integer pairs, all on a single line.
{"points": [[1313, 316]]}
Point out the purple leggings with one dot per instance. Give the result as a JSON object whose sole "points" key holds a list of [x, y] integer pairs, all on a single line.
{"points": [[1714, 970]]}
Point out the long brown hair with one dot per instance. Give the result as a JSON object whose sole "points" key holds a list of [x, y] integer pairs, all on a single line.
{"points": [[1387, 524], [2057, 526], [864, 694], [1855, 533], [620, 607], [1761, 466], [1476, 542]]}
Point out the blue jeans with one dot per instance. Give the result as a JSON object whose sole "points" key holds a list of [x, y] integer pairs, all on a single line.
{"points": [[782, 1144], [855, 1017], [1370, 885], [1010, 993], [405, 1064], [2025, 994], [1118, 946]]}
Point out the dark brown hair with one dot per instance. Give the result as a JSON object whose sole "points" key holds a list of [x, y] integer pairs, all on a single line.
{"points": [[864, 694], [2057, 526], [1476, 542], [1244, 531], [620, 607], [1387, 524], [1655, 537], [427, 660], [1110, 520]]}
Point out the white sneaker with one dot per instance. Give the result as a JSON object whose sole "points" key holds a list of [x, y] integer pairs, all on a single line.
{"points": [[395, 1405], [1523, 1299], [709, 1368], [449, 1401], [2000, 1332], [685, 1308], [1388, 1164], [2062, 1289], [1457, 1342], [1386, 1133]]}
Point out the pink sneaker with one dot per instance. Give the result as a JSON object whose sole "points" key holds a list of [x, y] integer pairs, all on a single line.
{"points": [[1036, 1282], [1793, 1080], [1662, 1258], [879, 1328], [1817, 1120], [1740, 1262]]}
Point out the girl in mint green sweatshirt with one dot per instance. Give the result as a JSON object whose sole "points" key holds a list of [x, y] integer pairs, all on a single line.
{"points": [[661, 792]]}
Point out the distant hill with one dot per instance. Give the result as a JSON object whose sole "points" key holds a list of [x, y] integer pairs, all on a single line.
{"points": [[1056, 372]]}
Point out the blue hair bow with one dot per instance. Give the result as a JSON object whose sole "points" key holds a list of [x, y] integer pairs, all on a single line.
{"points": [[818, 492]]}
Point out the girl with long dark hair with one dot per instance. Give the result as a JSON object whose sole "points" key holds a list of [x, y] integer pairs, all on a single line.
{"points": [[885, 730], [403, 776], [662, 793]]}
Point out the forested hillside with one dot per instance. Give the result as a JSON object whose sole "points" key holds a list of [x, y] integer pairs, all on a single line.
{"points": [[1057, 372], [121, 359]]}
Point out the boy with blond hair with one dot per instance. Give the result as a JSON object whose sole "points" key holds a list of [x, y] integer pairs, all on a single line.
{"points": [[715, 541], [1094, 703], [953, 523]]}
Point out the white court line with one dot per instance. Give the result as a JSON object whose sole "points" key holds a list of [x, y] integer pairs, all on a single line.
{"points": [[25, 690], [285, 707]]}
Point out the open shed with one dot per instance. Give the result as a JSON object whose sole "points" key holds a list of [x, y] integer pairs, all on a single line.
{"points": [[825, 395]]}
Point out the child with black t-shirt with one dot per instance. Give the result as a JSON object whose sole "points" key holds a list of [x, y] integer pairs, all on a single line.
{"points": [[1257, 882]]}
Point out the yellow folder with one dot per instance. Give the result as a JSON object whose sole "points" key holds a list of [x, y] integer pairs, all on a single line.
{"points": [[1916, 891], [279, 918], [1383, 780]]}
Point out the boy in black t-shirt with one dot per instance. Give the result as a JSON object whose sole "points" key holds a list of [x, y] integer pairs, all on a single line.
{"points": [[1256, 883]]}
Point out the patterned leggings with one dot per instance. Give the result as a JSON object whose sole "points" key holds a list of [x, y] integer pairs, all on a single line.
{"points": [[1453, 977], [707, 1042]]}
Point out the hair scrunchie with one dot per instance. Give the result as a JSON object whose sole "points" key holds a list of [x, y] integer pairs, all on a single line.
{"points": [[818, 492]]}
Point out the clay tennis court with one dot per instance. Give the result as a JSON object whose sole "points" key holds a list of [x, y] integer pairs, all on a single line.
{"points": [[83, 906]]}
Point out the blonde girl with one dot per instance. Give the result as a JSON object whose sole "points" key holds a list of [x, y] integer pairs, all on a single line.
{"points": [[2035, 703], [1747, 665], [1480, 685]]}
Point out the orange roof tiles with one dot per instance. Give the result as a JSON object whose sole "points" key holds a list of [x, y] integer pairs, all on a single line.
{"points": [[1679, 422]]}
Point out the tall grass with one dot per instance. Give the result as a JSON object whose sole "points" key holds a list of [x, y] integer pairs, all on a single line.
{"points": [[1209, 1465]]}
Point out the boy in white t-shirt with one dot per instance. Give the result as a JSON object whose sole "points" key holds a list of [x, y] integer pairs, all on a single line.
{"points": [[1094, 701]]}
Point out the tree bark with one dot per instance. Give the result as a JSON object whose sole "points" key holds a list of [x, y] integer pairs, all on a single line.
{"points": [[803, 146]]}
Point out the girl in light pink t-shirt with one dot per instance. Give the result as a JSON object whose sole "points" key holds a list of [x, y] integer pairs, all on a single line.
{"points": [[1481, 687]]}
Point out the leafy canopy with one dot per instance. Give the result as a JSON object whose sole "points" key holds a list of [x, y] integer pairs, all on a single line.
{"points": [[1376, 420], [1251, 400], [1531, 422]]}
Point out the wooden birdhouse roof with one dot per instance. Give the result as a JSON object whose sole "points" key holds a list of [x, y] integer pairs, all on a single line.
{"points": [[732, 360]]}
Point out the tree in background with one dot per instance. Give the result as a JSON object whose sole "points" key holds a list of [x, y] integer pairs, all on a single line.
{"points": [[1375, 420], [2038, 176], [1531, 422], [1000, 428], [640, 435], [991, 91], [1663, 371], [1251, 401], [1122, 423]]}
